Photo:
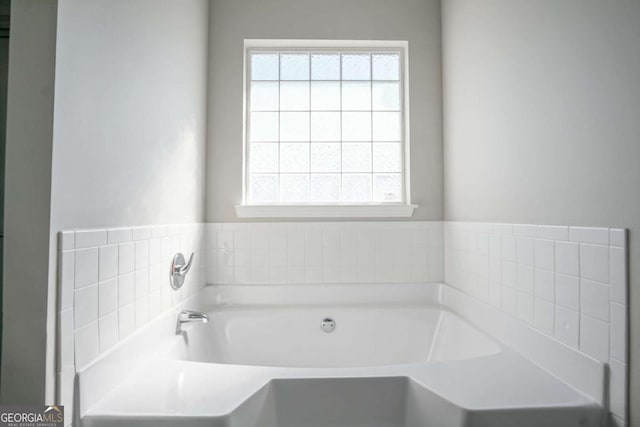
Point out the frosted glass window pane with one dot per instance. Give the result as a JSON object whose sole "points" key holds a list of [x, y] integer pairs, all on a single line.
{"points": [[387, 187], [356, 67], [264, 96], [294, 66], [356, 187], [294, 96], [264, 66], [325, 157], [294, 126], [263, 157], [325, 126], [263, 188], [264, 127], [325, 188], [294, 157], [294, 188], [386, 66], [325, 66], [386, 96], [356, 96], [356, 126], [325, 96], [356, 157], [386, 127], [387, 157]]}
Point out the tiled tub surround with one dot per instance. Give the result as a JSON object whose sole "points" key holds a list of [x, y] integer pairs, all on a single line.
{"points": [[113, 282], [569, 283], [325, 252]]}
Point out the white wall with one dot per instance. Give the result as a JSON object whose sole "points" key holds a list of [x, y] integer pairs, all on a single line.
{"points": [[128, 140], [232, 21], [542, 119], [27, 199]]}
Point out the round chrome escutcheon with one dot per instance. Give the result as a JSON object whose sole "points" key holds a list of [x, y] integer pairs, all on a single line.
{"points": [[328, 325]]}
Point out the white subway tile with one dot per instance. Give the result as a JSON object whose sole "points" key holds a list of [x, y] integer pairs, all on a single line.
{"points": [[295, 239], [568, 291], [594, 262], [242, 239], [495, 246], [85, 305], [65, 340], [594, 338], [525, 251], [618, 388], [545, 285], [618, 332], [509, 274], [526, 230], [90, 238], [155, 304], [593, 235], [509, 301], [107, 297], [126, 258], [155, 251], [118, 235], [142, 254], [142, 233], [108, 262], [158, 231], [544, 316], [618, 237], [66, 240], [618, 275], [525, 279], [126, 321], [568, 258], [142, 311], [87, 344], [278, 257], [126, 289], [553, 232], [108, 330], [242, 257], [545, 254], [502, 229], [594, 299], [508, 248], [142, 283], [278, 239], [525, 306], [242, 274], [260, 257], [67, 279], [86, 267], [419, 273], [567, 326], [495, 294]]}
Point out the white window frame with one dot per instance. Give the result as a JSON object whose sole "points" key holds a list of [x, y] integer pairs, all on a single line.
{"points": [[402, 208]]}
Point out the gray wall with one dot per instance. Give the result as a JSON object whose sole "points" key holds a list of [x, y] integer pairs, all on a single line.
{"points": [[232, 21], [542, 119], [27, 200]]}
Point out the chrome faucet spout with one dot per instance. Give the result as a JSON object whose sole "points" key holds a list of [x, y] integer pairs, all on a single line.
{"points": [[189, 316]]}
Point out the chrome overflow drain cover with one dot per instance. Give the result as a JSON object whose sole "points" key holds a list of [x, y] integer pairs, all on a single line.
{"points": [[328, 325]]}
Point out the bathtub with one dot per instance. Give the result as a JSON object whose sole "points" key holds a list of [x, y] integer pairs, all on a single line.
{"points": [[397, 357], [363, 336]]}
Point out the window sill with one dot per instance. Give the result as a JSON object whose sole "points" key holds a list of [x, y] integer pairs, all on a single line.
{"points": [[325, 211]]}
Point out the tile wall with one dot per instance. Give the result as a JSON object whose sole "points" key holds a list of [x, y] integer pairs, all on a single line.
{"points": [[112, 282], [569, 283], [325, 252]]}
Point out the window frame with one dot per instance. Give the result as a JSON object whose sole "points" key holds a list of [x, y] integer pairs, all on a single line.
{"points": [[402, 207]]}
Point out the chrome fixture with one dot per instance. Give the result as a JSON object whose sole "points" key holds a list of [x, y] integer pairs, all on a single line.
{"points": [[188, 316], [328, 325], [179, 269]]}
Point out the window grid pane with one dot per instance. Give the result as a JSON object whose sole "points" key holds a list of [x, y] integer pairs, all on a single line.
{"points": [[340, 109]]}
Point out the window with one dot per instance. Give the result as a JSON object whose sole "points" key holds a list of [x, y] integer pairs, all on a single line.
{"points": [[325, 125]]}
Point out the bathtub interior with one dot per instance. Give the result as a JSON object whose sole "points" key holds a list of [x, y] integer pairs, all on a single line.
{"points": [[364, 336]]}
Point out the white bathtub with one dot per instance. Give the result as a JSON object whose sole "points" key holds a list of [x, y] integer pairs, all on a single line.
{"points": [[364, 336], [397, 358]]}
